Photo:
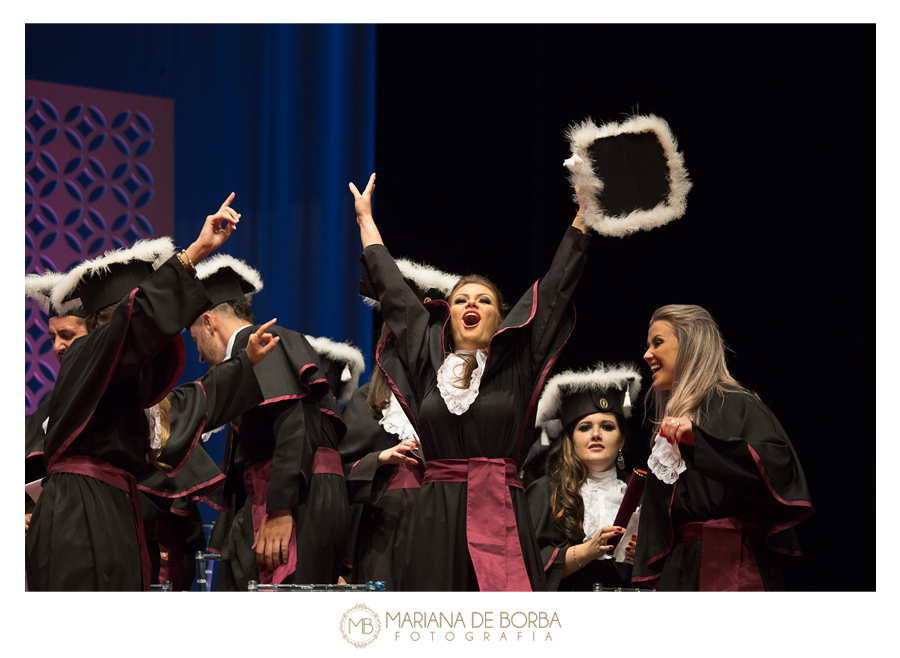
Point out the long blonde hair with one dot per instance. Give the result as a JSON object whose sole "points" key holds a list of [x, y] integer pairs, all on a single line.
{"points": [[700, 366]]}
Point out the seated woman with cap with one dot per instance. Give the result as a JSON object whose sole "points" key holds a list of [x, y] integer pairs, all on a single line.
{"points": [[468, 375], [726, 490], [574, 506], [96, 438]]}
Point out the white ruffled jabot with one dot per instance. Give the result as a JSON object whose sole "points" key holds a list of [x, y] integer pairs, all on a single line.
{"points": [[155, 424], [664, 462], [602, 494], [394, 421], [458, 400]]}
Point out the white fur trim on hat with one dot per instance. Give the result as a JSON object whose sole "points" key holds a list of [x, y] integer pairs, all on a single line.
{"points": [[39, 287], [213, 264], [601, 377], [425, 277], [582, 176], [344, 353], [155, 251]]}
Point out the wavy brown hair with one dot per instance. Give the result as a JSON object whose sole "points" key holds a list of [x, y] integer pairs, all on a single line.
{"points": [[379, 396], [470, 361], [700, 367], [100, 317], [567, 474]]}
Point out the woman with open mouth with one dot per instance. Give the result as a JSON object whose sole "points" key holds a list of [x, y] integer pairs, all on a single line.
{"points": [[726, 489], [467, 375]]}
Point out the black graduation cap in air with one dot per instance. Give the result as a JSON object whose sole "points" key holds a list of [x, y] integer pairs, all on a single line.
{"points": [[632, 174]]}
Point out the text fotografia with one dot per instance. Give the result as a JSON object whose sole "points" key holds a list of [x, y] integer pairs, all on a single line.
{"points": [[478, 626]]}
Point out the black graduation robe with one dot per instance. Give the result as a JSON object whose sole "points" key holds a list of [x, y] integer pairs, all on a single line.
{"points": [[284, 450], [728, 522], [478, 537], [607, 572], [85, 533], [385, 497]]}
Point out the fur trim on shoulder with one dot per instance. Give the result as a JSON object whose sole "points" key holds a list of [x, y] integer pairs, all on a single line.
{"points": [[426, 276], [350, 356], [581, 175], [601, 377], [155, 251], [39, 287], [213, 264]]}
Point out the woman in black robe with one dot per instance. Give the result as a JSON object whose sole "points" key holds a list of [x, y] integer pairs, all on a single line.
{"points": [[575, 505], [726, 488], [471, 392]]}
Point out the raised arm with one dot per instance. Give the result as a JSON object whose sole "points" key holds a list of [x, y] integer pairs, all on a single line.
{"points": [[368, 232]]}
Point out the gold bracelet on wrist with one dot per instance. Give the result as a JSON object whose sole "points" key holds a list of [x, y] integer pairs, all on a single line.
{"points": [[575, 557], [188, 268]]}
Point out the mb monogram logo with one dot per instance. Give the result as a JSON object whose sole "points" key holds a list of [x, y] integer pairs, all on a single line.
{"points": [[360, 626]]}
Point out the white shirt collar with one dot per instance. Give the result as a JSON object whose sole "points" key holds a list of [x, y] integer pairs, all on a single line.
{"points": [[230, 345]]}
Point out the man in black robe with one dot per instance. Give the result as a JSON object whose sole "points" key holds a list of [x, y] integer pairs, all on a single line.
{"points": [[287, 509]]}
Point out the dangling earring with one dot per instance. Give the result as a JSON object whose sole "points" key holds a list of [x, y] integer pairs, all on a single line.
{"points": [[620, 461]]}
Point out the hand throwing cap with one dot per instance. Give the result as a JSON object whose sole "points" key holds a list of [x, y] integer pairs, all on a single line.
{"points": [[227, 279], [39, 287], [97, 283], [342, 363], [427, 283], [571, 395], [632, 173]]}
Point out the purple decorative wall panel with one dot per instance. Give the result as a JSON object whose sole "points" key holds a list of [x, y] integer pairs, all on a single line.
{"points": [[99, 175]]}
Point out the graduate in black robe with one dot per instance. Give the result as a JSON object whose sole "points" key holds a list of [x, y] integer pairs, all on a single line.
{"points": [[86, 532], [726, 487], [471, 527], [574, 506], [284, 509]]}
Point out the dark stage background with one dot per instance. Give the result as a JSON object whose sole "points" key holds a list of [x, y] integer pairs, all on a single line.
{"points": [[777, 124]]}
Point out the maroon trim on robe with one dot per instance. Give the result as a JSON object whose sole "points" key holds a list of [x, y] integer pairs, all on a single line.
{"points": [[256, 483], [215, 506], [668, 549], [552, 558], [393, 386], [281, 398], [493, 546], [727, 563], [803, 515], [200, 487], [405, 476], [327, 460], [65, 444], [180, 512], [334, 416], [179, 349], [34, 454], [184, 460], [121, 480]]}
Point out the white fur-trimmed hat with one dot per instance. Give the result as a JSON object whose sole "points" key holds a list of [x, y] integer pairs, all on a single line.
{"points": [[97, 283], [576, 393], [631, 173], [343, 364], [426, 281], [227, 279], [39, 287]]}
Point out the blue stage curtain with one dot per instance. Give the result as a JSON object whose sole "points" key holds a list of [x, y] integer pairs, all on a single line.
{"points": [[282, 115]]}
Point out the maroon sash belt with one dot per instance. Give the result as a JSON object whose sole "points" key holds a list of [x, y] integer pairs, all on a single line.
{"points": [[727, 563], [121, 480], [405, 476], [256, 483], [327, 460], [491, 533]]}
